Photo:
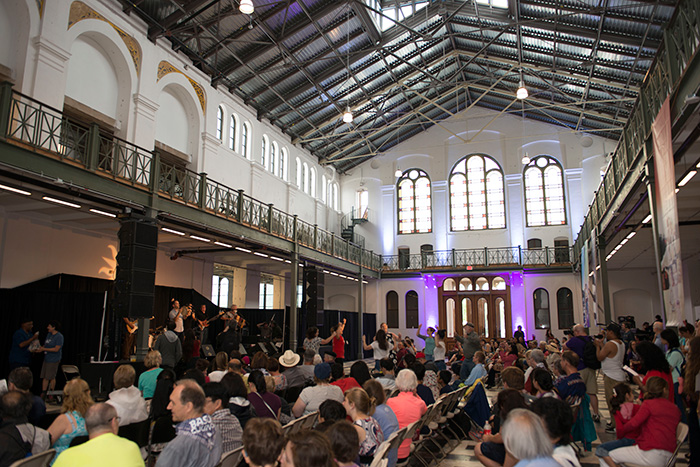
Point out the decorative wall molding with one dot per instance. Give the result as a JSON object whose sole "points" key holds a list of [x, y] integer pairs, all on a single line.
{"points": [[165, 68], [80, 11]]}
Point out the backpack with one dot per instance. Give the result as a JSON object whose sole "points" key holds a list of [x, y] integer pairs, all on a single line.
{"points": [[590, 355], [12, 446]]}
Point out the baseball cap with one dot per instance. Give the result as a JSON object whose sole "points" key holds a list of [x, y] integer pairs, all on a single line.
{"points": [[322, 371]]}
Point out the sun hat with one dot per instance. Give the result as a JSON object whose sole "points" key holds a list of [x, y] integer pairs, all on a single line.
{"points": [[289, 359]]}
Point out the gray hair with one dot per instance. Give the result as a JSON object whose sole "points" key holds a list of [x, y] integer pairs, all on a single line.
{"points": [[99, 417], [406, 381], [537, 356], [525, 436], [554, 362]]}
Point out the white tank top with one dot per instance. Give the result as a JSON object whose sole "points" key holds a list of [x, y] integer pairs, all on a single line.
{"points": [[612, 367]]}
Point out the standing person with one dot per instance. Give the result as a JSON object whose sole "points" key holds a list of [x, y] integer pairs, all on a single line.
{"points": [[519, 333], [587, 370], [611, 356], [312, 341], [380, 346], [440, 350], [21, 339], [105, 447], [571, 387], [197, 443], [53, 352], [675, 359], [392, 339], [339, 341], [169, 346], [203, 324], [429, 342], [175, 315], [470, 344]]}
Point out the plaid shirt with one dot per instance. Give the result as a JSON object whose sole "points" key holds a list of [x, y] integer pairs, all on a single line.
{"points": [[229, 428]]}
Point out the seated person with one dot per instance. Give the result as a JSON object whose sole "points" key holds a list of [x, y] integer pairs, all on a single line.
{"points": [[104, 447], [444, 380], [228, 426], [478, 371], [623, 408], [339, 379], [490, 451], [513, 378], [263, 441], [312, 397], [21, 379], [422, 390], [542, 383], [571, 387], [657, 419], [345, 443], [18, 438], [330, 412], [387, 379], [558, 420], [126, 398], [526, 441]]}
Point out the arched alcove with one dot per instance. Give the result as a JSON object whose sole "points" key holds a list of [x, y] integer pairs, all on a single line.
{"points": [[177, 118]]}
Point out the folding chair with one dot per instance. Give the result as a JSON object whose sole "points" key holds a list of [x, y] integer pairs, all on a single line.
{"points": [[37, 460], [232, 458], [136, 432], [681, 434]]}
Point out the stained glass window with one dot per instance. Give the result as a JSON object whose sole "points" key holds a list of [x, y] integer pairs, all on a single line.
{"points": [[477, 201], [415, 210], [544, 192]]}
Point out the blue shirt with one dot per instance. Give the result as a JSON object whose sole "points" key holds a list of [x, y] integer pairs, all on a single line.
{"points": [[389, 424], [477, 372], [20, 355], [53, 340]]}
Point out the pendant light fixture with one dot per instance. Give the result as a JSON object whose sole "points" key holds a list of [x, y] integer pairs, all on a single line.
{"points": [[521, 93], [246, 7], [526, 159], [347, 116]]}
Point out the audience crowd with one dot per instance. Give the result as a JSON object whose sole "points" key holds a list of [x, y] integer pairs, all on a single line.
{"points": [[546, 399]]}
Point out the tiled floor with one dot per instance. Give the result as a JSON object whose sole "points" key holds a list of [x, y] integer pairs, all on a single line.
{"points": [[463, 454]]}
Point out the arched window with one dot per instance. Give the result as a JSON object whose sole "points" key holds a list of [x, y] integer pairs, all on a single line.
{"points": [[263, 154], [232, 133], [284, 161], [324, 189], [415, 214], [273, 157], [541, 302], [245, 133], [219, 123], [411, 309], [465, 284], [312, 182], [565, 308], [544, 192], [476, 194], [298, 166], [449, 284], [335, 196], [305, 177], [392, 309]]}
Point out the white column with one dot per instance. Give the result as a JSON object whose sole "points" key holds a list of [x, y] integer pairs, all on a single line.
{"points": [[143, 125]]}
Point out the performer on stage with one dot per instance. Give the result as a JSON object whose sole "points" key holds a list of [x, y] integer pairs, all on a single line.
{"points": [[230, 338], [203, 322], [129, 346], [175, 315], [53, 351], [21, 340]]}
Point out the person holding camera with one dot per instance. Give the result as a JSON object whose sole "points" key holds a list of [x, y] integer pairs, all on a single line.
{"points": [[582, 345]]}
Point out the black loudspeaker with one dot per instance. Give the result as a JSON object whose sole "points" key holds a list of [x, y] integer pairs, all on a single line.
{"points": [[208, 351], [134, 284], [313, 295]]}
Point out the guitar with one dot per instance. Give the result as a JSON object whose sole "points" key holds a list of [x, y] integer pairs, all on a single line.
{"points": [[204, 323], [131, 326]]}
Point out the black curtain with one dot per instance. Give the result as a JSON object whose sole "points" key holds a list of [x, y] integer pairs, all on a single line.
{"points": [[331, 317], [80, 315]]}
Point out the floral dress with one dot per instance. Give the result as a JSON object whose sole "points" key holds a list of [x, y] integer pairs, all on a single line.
{"points": [[374, 437]]}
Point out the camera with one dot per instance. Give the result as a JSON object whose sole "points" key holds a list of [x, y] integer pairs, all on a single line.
{"points": [[598, 336], [569, 332]]}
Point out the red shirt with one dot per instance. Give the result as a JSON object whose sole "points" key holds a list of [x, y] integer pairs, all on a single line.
{"points": [[669, 380], [657, 419], [619, 421], [346, 383], [339, 347]]}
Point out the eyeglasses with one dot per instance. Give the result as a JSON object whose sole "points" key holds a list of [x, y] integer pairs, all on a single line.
{"points": [[118, 419]]}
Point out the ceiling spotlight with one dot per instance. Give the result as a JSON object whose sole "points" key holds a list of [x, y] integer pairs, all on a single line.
{"points": [[521, 93], [526, 159], [246, 7], [347, 116]]}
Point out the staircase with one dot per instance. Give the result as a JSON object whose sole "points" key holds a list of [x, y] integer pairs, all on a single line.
{"points": [[348, 223]]}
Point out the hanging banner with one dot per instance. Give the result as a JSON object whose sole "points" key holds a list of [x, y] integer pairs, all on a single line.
{"points": [[593, 277], [667, 217], [584, 285]]}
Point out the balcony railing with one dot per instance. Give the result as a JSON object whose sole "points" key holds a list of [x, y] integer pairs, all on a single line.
{"points": [[506, 257], [28, 123]]}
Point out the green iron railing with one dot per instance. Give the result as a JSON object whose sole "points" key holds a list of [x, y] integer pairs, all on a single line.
{"points": [[28, 123]]}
